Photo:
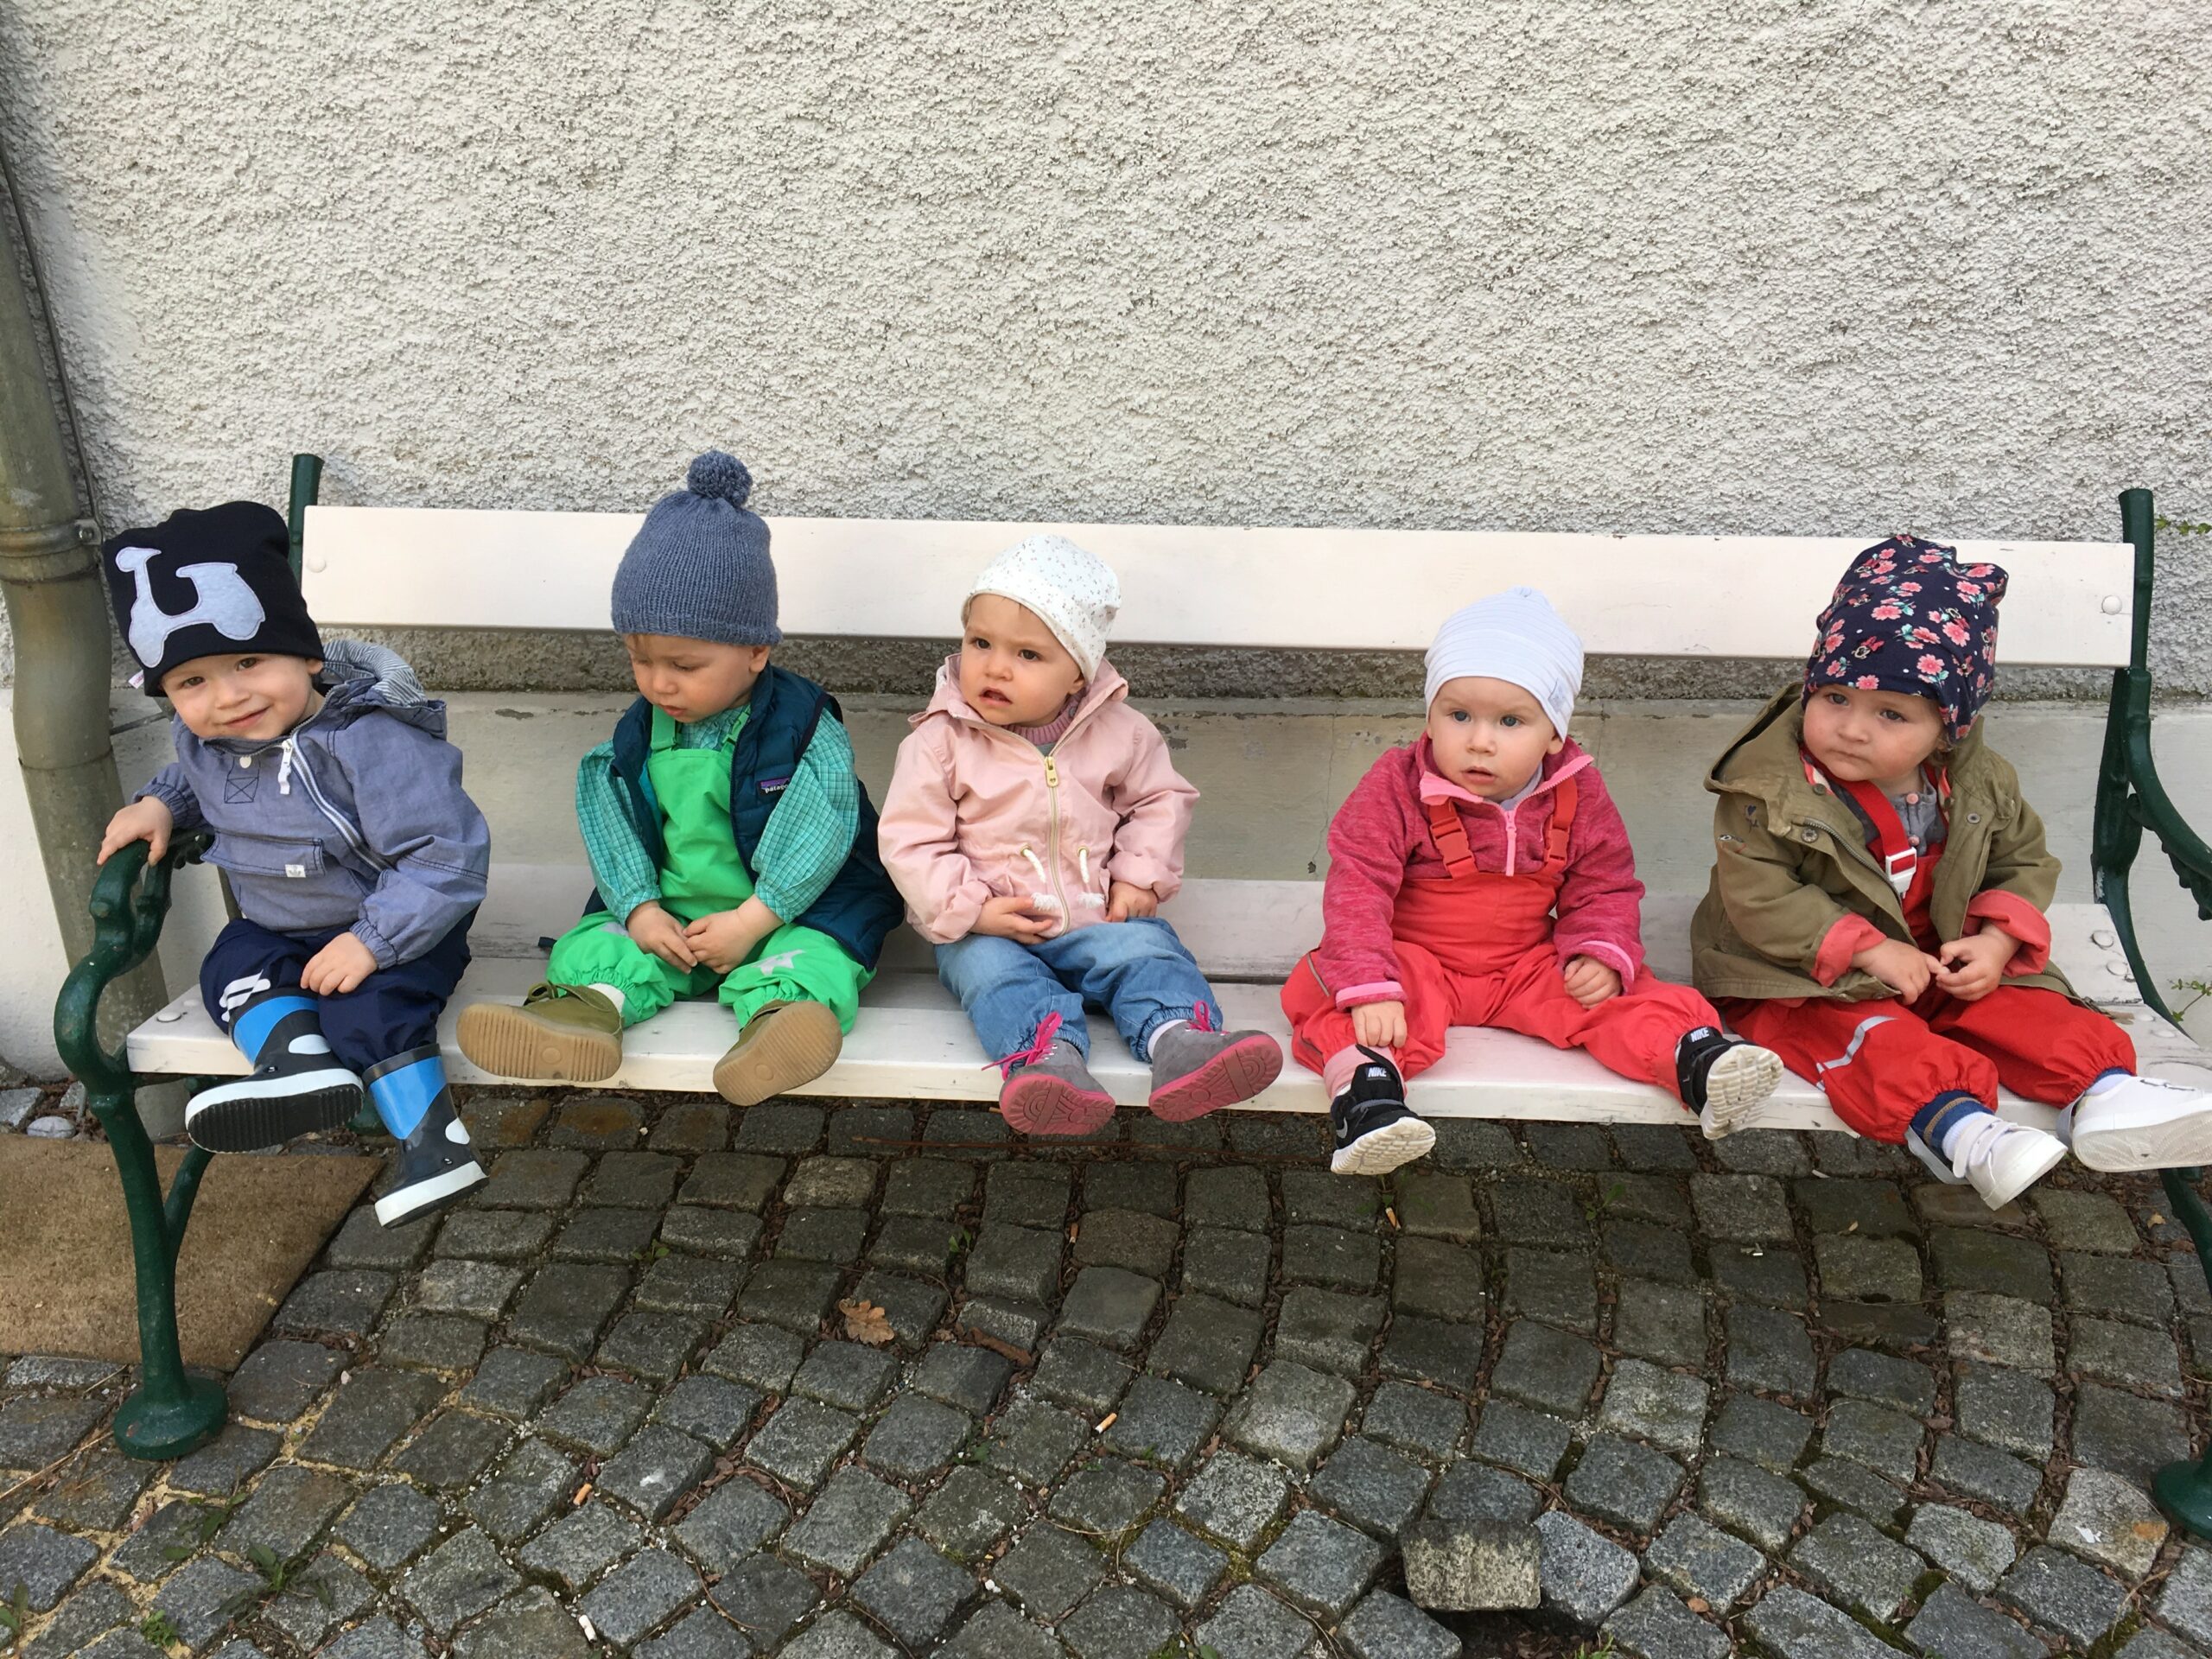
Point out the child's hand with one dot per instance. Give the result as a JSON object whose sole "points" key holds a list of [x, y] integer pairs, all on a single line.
{"points": [[1380, 1025], [1014, 918], [725, 938], [1125, 900], [656, 930], [1975, 967], [339, 967], [1905, 969], [148, 821], [1589, 982]]}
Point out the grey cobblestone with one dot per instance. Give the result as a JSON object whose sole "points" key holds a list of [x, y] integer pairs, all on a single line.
{"points": [[592, 1392]]}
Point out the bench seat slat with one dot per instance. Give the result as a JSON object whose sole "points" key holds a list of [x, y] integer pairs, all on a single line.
{"points": [[912, 1042], [432, 568]]}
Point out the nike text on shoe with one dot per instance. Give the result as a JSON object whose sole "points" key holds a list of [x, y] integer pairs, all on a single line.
{"points": [[782, 1045], [295, 1088], [1048, 1089], [435, 1163], [1725, 1080], [565, 1034], [1375, 1131], [2143, 1123], [1197, 1069], [2001, 1160]]}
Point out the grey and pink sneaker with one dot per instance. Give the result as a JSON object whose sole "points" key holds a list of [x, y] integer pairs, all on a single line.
{"points": [[1048, 1089], [1197, 1069]]}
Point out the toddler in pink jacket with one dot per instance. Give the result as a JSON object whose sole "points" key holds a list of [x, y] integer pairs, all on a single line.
{"points": [[1034, 825]]}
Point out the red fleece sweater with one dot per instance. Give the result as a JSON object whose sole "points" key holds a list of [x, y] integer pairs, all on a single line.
{"points": [[1379, 836]]}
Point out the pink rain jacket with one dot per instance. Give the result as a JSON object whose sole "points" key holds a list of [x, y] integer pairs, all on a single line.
{"points": [[974, 812]]}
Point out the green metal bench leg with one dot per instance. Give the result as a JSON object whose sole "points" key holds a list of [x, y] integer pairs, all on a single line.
{"points": [[2131, 799], [2184, 1489], [170, 1413]]}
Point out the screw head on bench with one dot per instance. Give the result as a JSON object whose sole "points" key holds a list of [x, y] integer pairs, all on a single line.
{"points": [[2113, 605], [2103, 939]]}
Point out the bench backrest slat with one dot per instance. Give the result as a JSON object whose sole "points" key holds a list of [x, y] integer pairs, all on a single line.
{"points": [[1202, 585]]}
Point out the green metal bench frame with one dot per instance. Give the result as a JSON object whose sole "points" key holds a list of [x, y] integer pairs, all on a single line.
{"points": [[171, 1412]]}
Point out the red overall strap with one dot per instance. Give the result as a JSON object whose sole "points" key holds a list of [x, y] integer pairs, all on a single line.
{"points": [[1562, 825], [1451, 839], [1904, 865]]}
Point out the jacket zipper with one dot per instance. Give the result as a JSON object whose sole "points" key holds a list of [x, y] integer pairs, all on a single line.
{"points": [[306, 775], [1052, 838], [1052, 802]]}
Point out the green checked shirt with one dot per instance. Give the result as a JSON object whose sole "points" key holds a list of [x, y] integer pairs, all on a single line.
{"points": [[808, 839]]}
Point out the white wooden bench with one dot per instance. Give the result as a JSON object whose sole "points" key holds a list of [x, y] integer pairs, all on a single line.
{"points": [[1644, 595], [2082, 604]]}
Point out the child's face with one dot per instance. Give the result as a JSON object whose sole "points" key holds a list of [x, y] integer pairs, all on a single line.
{"points": [[1012, 672], [1881, 738], [691, 680], [252, 698], [1489, 736]]}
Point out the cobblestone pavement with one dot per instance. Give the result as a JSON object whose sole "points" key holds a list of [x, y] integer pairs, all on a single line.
{"points": [[1179, 1386]]}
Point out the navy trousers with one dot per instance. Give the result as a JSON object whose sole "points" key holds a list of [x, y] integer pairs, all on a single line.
{"points": [[393, 1010]]}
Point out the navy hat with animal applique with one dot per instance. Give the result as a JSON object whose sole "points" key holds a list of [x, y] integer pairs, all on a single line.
{"points": [[207, 582]]}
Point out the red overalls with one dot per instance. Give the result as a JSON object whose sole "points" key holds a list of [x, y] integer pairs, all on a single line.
{"points": [[1475, 948], [1879, 1062]]}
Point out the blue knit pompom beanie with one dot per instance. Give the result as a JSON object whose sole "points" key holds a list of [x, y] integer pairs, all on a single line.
{"points": [[698, 568]]}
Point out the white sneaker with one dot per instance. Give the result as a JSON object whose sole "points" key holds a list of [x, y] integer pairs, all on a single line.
{"points": [[2143, 1123], [2001, 1159]]}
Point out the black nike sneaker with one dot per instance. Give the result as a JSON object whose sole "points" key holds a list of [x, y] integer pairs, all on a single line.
{"points": [[1375, 1130], [1725, 1080]]}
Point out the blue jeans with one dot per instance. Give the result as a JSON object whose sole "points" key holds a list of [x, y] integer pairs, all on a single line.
{"points": [[1137, 971]]}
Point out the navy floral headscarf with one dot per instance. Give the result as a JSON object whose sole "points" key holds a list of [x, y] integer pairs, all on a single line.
{"points": [[1909, 617]]}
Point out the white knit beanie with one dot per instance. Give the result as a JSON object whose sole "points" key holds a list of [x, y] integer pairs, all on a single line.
{"points": [[1073, 592], [1515, 636]]}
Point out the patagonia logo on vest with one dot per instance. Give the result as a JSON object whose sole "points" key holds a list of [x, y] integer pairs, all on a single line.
{"points": [[774, 785]]}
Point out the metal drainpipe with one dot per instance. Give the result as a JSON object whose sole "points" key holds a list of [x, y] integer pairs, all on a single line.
{"points": [[57, 607]]}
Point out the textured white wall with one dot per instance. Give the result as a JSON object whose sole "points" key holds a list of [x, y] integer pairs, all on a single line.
{"points": [[1825, 266]]}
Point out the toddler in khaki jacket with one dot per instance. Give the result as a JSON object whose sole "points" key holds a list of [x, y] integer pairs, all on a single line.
{"points": [[1876, 914], [1034, 824]]}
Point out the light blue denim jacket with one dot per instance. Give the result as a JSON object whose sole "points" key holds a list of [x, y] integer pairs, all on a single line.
{"points": [[355, 818]]}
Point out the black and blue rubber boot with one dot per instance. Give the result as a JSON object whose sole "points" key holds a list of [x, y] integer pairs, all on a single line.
{"points": [[295, 1088], [435, 1164]]}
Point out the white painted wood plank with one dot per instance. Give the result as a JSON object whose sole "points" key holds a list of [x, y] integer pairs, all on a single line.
{"points": [[912, 1043], [1201, 585]]}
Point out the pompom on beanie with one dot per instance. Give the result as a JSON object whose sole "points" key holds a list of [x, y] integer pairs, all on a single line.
{"points": [[698, 568], [1513, 636], [1909, 617], [1073, 592]]}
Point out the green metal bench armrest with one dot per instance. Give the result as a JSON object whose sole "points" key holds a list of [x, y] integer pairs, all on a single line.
{"points": [[170, 1413]]}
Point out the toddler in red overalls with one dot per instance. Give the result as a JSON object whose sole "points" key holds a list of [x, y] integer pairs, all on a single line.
{"points": [[1483, 877], [1877, 907]]}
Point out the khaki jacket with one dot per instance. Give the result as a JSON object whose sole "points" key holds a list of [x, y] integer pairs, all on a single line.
{"points": [[1792, 866]]}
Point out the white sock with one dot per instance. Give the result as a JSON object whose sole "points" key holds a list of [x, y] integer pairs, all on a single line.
{"points": [[2110, 1080], [1159, 1032], [611, 993]]}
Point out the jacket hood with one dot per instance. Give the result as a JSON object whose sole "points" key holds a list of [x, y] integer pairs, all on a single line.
{"points": [[359, 679], [1106, 686]]}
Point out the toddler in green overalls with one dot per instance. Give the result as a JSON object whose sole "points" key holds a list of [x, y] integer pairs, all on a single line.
{"points": [[733, 848]]}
